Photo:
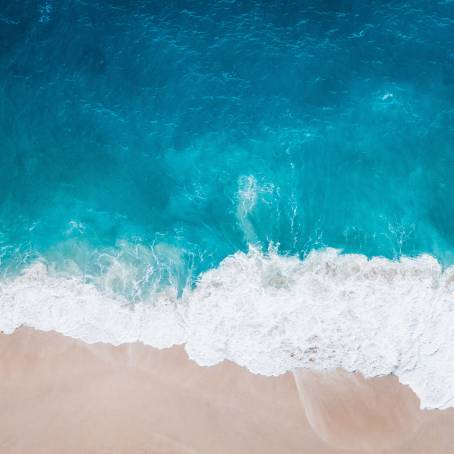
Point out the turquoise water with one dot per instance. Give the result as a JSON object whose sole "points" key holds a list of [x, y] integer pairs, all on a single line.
{"points": [[166, 136]]}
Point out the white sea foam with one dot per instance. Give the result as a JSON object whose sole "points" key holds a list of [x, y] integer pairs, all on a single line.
{"points": [[271, 314]]}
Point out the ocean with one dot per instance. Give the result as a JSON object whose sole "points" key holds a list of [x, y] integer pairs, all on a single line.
{"points": [[268, 182]]}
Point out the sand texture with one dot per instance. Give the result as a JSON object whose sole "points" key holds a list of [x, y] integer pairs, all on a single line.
{"points": [[59, 395]]}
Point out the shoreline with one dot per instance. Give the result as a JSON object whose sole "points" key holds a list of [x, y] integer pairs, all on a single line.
{"points": [[327, 311], [59, 394]]}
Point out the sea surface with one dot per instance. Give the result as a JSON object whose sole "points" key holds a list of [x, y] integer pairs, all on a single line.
{"points": [[269, 182]]}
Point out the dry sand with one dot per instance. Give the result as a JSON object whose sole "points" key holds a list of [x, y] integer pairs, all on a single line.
{"points": [[59, 395]]}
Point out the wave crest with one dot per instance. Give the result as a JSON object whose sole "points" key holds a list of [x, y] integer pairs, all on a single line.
{"points": [[271, 314]]}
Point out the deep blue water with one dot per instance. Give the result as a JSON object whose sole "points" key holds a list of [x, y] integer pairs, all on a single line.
{"points": [[170, 134]]}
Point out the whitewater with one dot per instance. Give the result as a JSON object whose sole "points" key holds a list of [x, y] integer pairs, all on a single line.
{"points": [[271, 314]]}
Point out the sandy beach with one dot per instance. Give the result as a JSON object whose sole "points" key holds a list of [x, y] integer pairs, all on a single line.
{"points": [[59, 395]]}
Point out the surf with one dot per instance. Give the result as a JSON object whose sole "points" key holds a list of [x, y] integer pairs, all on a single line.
{"points": [[269, 313]]}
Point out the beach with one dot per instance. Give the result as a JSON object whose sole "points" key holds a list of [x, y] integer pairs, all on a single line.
{"points": [[226, 227], [60, 395]]}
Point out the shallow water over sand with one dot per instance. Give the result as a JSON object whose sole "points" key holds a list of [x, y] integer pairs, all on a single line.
{"points": [[59, 395]]}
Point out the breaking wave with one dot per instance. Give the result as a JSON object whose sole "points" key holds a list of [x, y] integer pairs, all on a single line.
{"points": [[269, 313]]}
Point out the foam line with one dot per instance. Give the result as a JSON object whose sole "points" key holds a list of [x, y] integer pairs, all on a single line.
{"points": [[271, 314]]}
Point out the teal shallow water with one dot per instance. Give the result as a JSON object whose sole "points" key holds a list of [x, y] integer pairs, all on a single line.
{"points": [[169, 135]]}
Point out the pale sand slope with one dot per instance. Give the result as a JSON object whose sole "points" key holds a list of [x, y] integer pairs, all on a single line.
{"points": [[59, 395]]}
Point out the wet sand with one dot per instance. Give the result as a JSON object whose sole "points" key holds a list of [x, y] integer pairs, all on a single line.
{"points": [[59, 395]]}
